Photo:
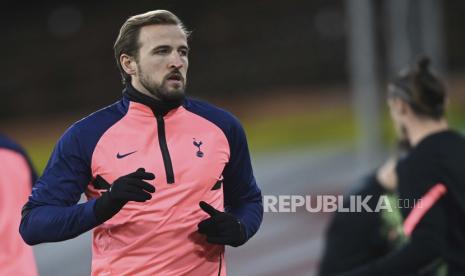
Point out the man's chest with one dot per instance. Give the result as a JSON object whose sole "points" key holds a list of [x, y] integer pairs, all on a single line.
{"points": [[190, 155]]}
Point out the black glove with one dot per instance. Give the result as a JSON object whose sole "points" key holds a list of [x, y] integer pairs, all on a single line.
{"points": [[221, 228], [130, 187]]}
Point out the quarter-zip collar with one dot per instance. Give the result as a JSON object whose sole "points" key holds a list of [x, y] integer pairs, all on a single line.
{"points": [[159, 108]]}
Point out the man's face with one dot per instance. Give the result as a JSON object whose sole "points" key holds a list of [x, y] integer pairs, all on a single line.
{"points": [[162, 61]]}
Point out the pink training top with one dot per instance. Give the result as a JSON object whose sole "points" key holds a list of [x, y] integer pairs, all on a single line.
{"points": [[160, 234], [197, 152], [16, 257]]}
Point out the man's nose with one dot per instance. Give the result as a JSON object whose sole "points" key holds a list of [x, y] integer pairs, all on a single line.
{"points": [[176, 61]]}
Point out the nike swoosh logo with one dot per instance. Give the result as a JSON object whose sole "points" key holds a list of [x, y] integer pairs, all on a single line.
{"points": [[119, 156]]}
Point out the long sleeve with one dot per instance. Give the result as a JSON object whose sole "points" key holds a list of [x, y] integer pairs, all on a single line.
{"points": [[242, 196], [51, 213], [425, 220], [417, 254]]}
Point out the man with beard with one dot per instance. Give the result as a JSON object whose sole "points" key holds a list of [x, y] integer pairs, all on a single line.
{"points": [[168, 179]]}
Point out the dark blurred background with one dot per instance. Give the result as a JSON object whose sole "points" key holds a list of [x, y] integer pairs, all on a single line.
{"points": [[306, 78], [59, 54]]}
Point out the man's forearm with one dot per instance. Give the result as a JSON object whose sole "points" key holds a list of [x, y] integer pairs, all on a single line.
{"points": [[49, 223]]}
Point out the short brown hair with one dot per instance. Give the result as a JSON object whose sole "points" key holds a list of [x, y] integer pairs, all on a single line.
{"points": [[128, 38]]}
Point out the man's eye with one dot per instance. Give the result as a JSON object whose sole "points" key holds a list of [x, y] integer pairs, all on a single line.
{"points": [[183, 52], [162, 51]]}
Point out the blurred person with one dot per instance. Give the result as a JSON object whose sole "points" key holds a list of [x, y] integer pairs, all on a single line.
{"points": [[17, 176], [168, 178], [432, 175], [355, 238]]}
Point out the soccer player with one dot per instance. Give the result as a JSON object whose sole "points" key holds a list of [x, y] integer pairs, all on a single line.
{"points": [[356, 238], [431, 178], [168, 179], [16, 179]]}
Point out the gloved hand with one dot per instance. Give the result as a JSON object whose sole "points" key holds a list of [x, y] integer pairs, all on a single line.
{"points": [[221, 227], [131, 187]]}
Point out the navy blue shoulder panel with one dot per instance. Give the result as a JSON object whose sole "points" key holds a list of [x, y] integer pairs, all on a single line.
{"points": [[51, 213], [9, 144], [220, 117], [242, 197], [68, 170], [90, 129]]}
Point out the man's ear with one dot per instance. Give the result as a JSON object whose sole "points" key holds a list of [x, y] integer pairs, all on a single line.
{"points": [[399, 106], [394, 105], [404, 108], [129, 64]]}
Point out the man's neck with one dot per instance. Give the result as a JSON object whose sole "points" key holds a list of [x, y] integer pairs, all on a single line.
{"points": [[420, 129], [140, 88], [158, 107]]}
